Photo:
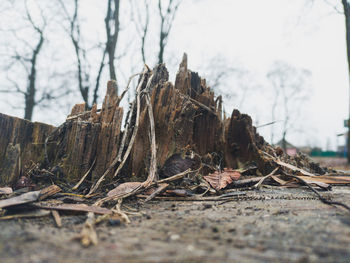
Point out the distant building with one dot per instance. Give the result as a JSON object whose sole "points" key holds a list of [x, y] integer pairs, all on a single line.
{"points": [[290, 148]]}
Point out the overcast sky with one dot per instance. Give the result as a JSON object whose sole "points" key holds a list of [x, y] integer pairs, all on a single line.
{"points": [[253, 34]]}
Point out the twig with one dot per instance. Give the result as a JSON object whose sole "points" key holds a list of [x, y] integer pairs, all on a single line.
{"points": [[119, 211], [257, 185], [322, 199], [245, 182], [175, 177], [233, 195], [160, 189], [127, 86], [141, 188], [85, 175], [198, 103]]}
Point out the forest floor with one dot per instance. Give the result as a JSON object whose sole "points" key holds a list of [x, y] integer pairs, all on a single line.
{"points": [[286, 226]]}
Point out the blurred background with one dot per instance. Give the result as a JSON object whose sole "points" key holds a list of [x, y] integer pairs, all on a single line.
{"points": [[282, 62]]}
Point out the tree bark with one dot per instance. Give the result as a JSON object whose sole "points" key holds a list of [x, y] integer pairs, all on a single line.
{"points": [[31, 90], [112, 37], [346, 8]]}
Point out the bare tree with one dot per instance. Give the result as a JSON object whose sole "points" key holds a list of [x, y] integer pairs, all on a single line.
{"points": [[167, 18], [75, 35], [141, 18], [28, 60], [112, 31], [112, 28], [346, 8], [290, 92], [343, 7], [233, 81]]}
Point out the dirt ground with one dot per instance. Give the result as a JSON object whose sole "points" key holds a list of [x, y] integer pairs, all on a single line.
{"points": [[337, 163], [268, 230]]}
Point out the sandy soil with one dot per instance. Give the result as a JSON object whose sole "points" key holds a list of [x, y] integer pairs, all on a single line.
{"points": [[271, 230]]}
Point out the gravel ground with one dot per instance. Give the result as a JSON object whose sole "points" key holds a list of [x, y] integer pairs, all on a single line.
{"points": [[271, 230]]}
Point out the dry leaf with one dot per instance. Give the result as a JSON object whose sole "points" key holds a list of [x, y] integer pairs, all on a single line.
{"points": [[220, 180], [124, 188]]}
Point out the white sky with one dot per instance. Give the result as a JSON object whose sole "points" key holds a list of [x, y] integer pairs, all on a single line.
{"points": [[256, 33], [252, 34]]}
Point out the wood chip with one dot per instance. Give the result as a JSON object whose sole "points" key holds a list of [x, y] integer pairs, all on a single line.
{"points": [[57, 218], [6, 190], [21, 199], [31, 214], [49, 191], [74, 207], [328, 179]]}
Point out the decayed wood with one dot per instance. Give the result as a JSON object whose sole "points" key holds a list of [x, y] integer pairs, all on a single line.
{"points": [[89, 139], [21, 143]]}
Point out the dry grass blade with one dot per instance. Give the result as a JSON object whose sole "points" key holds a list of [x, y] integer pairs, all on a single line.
{"points": [[115, 161], [153, 166], [294, 168]]}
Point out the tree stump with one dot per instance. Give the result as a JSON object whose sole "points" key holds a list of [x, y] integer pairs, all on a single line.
{"points": [[188, 122]]}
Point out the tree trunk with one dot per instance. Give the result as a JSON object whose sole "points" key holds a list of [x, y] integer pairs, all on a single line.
{"points": [[112, 38], [346, 7], [31, 89]]}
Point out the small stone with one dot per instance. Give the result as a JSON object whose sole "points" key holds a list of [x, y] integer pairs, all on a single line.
{"points": [[114, 222], [174, 237], [215, 229]]}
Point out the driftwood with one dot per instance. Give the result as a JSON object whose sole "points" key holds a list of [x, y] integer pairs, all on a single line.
{"points": [[185, 119]]}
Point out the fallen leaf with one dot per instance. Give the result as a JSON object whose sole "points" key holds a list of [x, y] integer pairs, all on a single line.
{"points": [[124, 188], [220, 180]]}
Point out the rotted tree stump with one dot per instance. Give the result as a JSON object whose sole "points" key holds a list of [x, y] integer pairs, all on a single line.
{"points": [[188, 122], [21, 144]]}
